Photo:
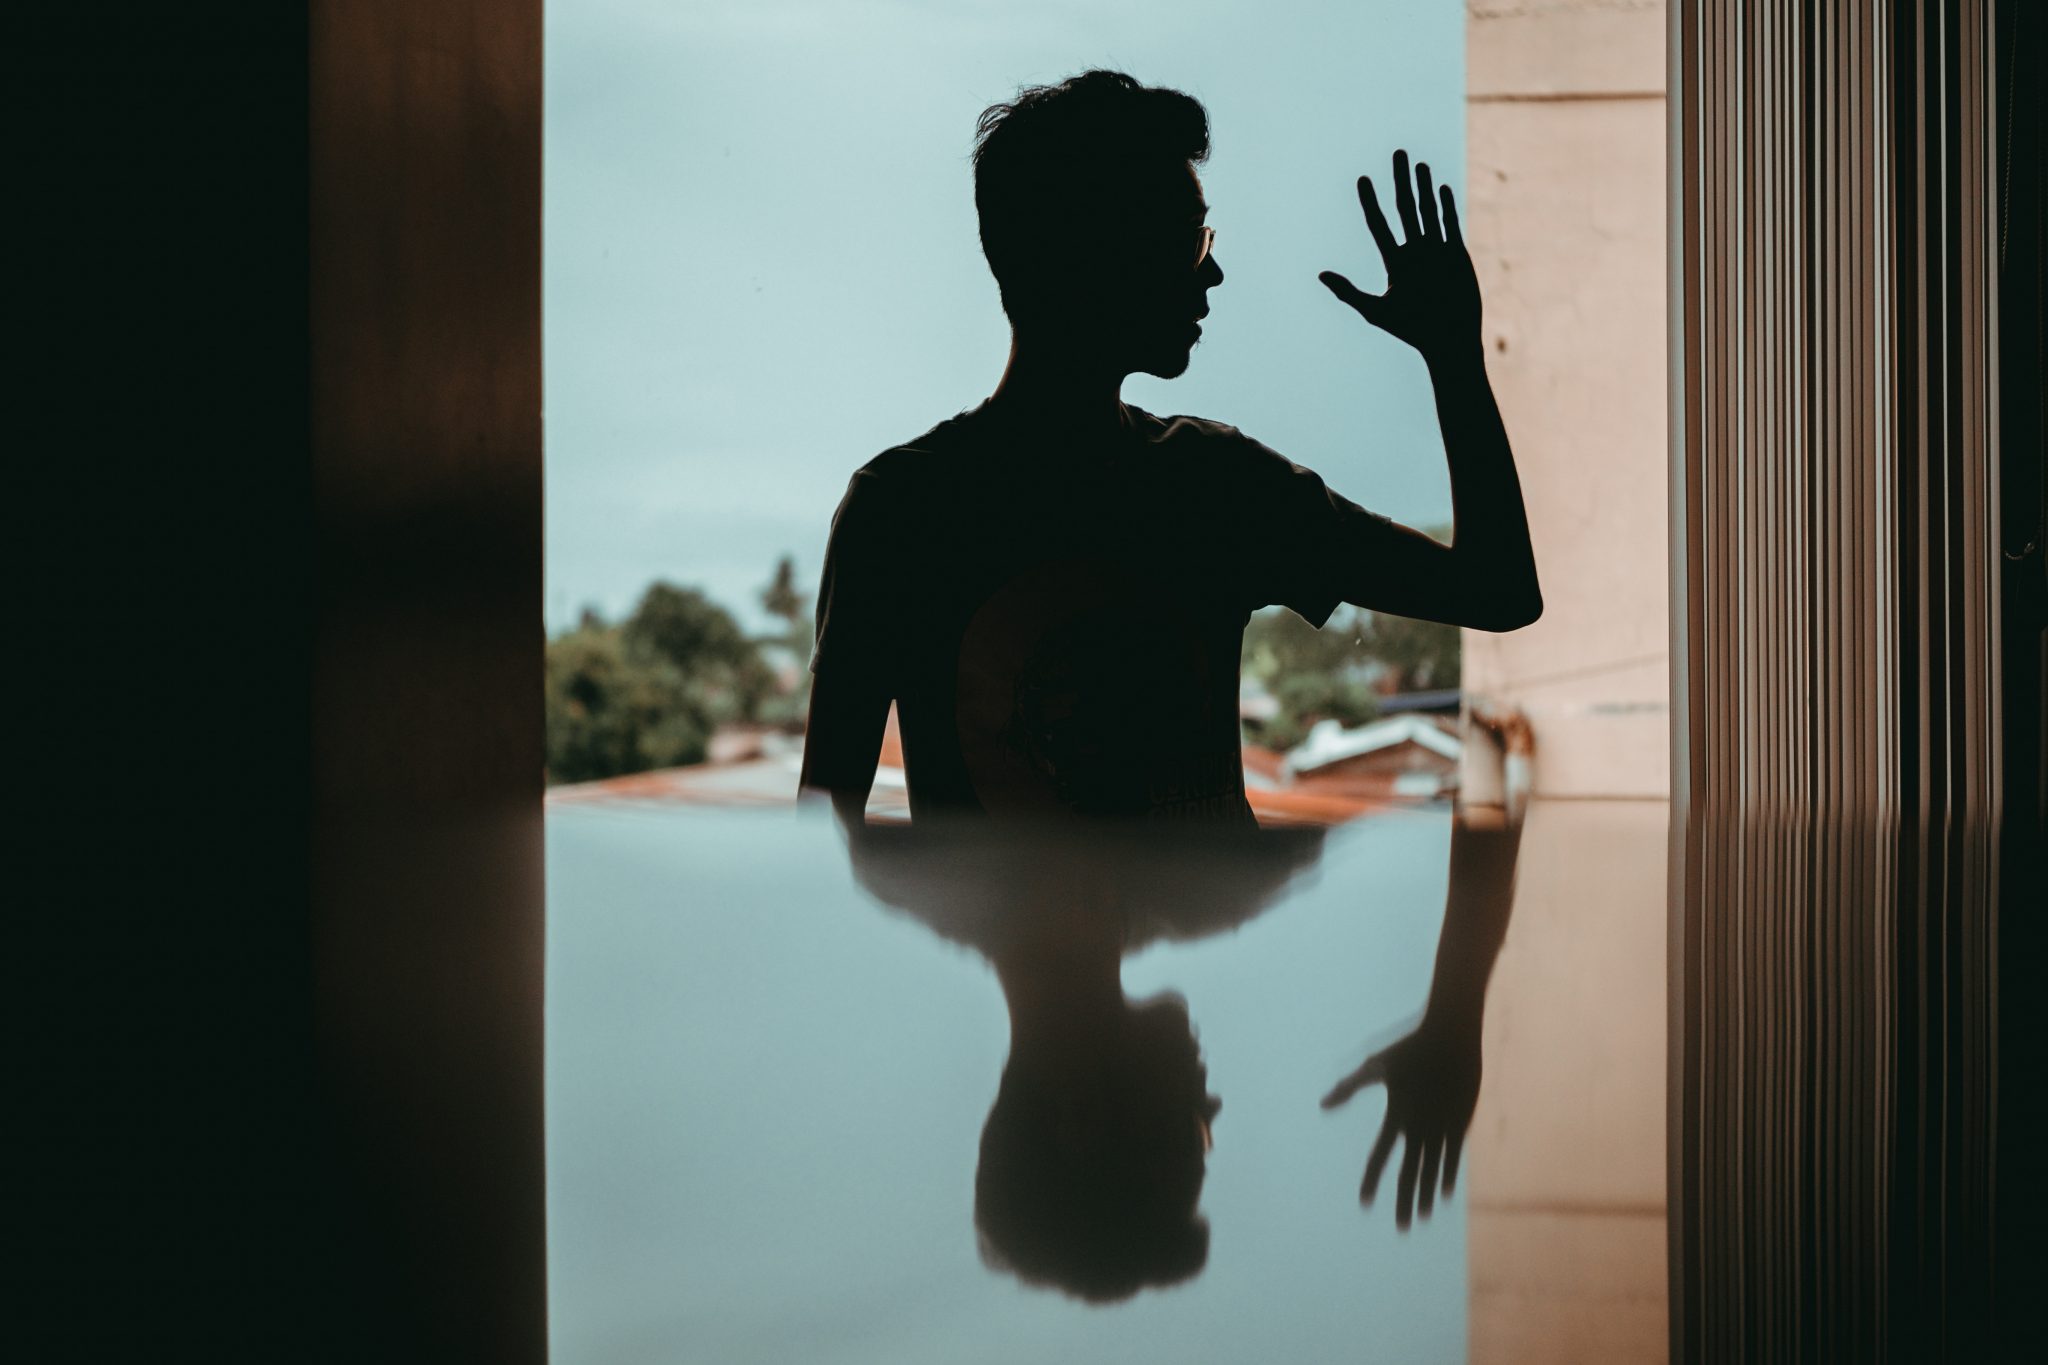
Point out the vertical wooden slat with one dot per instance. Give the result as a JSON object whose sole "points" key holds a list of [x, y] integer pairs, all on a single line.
{"points": [[1835, 450]]}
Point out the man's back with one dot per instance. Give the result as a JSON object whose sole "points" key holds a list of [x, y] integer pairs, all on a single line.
{"points": [[1060, 623]]}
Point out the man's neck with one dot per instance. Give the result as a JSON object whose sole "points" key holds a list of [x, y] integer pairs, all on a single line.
{"points": [[1063, 981], [1051, 392]]}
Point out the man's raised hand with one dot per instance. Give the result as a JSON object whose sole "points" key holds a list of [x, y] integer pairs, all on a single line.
{"points": [[1432, 297]]}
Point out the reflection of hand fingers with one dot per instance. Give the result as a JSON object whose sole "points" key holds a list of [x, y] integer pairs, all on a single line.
{"points": [[1368, 305], [1451, 230], [1404, 198], [1382, 235], [1432, 1159], [1451, 1150], [1373, 1070], [1425, 194], [1377, 1162], [1404, 1189]]}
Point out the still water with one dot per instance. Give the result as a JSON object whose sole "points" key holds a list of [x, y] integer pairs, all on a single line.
{"points": [[770, 1063]]}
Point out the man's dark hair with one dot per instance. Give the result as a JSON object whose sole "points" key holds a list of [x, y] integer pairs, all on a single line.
{"points": [[1051, 166], [1093, 1205]]}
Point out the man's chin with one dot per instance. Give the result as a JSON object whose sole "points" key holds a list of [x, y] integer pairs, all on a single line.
{"points": [[1170, 364]]}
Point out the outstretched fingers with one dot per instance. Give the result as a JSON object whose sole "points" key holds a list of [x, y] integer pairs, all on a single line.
{"points": [[1425, 193], [1376, 1164], [1382, 235], [1452, 233], [1404, 198], [1404, 1185], [1432, 1160]]}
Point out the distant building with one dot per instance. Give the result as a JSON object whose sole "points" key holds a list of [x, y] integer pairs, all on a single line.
{"points": [[1403, 757]]}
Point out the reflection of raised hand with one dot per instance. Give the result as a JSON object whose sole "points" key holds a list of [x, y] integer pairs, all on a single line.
{"points": [[1432, 1080], [1432, 297], [1432, 1075]]}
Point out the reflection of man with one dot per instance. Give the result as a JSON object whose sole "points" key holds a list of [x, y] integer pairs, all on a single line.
{"points": [[959, 561], [1093, 1155]]}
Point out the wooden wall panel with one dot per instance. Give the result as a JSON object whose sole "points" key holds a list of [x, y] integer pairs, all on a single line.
{"points": [[1835, 484]]}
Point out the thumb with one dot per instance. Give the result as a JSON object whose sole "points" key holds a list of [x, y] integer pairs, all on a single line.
{"points": [[1373, 1071], [1368, 306]]}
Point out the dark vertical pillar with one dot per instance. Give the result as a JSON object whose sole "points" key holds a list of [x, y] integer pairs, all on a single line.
{"points": [[426, 705], [274, 775]]}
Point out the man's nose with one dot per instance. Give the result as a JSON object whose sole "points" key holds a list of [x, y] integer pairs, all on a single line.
{"points": [[1211, 274]]}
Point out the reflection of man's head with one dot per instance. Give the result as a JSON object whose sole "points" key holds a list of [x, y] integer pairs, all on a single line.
{"points": [[1092, 1160]]}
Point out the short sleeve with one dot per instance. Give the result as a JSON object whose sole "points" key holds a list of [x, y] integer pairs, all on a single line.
{"points": [[1305, 542], [859, 631]]}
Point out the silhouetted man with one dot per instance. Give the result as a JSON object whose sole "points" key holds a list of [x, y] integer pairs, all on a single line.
{"points": [[1053, 586]]}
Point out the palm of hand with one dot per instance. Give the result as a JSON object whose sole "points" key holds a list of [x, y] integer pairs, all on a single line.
{"points": [[1432, 1080], [1432, 296]]}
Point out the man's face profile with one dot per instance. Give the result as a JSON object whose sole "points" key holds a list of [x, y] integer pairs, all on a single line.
{"points": [[1145, 296]]}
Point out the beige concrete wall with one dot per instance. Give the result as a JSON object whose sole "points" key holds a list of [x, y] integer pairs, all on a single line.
{"points": [[1565, 218], [1566, 1205], [1566, 221]]}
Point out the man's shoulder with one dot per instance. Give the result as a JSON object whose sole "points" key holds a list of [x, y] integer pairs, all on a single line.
{"points": [[904, 468], [1182, 426], [1187, 436], [936, 456]]}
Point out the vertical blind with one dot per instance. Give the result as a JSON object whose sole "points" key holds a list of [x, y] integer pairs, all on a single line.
{"points": [[1837, 773]]}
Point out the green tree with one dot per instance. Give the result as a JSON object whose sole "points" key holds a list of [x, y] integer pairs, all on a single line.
{"points": [[781, 598], [1417, 655], [1311, 674], [722, 669], [1278, 644], [612, 711], [1340, 671], [650, 691]]}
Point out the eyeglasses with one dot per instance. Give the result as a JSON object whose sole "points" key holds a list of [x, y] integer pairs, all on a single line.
{"points": [[1205, 241]]}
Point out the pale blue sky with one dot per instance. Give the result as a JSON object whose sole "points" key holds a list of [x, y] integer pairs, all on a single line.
{"points": [[762, 267]]}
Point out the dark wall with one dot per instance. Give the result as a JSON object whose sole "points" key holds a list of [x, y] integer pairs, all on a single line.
{"points": [[2023, 417], [275, 526]]}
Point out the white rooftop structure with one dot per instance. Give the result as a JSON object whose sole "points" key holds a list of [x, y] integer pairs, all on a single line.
{"points": [[1329, 742]]}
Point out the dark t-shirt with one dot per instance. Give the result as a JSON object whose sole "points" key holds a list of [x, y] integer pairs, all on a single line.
{"points": [[1060, 624]]}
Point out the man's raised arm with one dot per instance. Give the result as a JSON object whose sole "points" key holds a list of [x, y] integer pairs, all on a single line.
{"points": [[1486, 577]]}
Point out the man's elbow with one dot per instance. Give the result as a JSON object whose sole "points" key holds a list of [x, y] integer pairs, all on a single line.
{"points": [[1499, 617]]}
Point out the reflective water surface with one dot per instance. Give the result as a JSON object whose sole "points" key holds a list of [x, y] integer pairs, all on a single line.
{"points": [[894, 1095]]}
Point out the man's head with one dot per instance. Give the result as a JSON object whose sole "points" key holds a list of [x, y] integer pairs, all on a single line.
{"points": [[1092, 1160], [1091, 217]]}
